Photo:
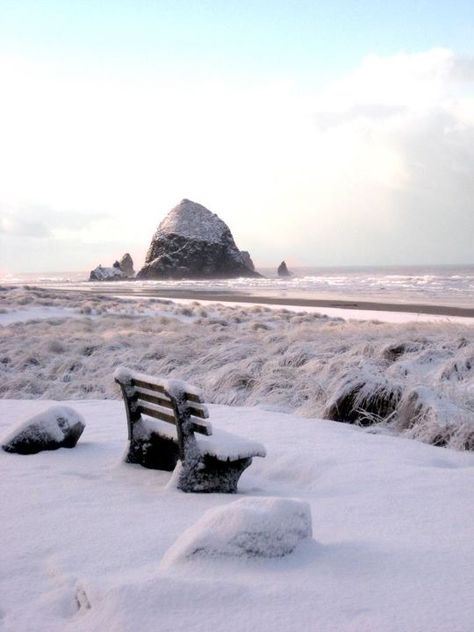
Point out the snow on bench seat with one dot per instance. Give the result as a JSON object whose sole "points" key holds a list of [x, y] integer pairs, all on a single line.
{"points": [[221, 444]]}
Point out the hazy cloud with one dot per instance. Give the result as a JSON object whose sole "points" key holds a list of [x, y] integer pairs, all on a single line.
{"points": [[41, 221], [402, 129], [375, 168]]}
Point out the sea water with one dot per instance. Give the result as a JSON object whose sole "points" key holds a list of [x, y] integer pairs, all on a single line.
{"points": [[447, 285]]}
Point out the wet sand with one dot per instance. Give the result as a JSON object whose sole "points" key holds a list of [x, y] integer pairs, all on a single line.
{"points": [[295, 301]]}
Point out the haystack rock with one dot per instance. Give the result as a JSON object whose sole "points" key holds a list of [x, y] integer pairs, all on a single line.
{"points": [[283, 270], [193, 242]]}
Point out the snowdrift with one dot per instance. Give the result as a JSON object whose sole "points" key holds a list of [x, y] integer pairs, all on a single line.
{"points": [[84, 535]]}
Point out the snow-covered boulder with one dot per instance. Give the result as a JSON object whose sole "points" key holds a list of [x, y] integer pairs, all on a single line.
{"points": [[56, 427], [246, 528], [193, 242]]}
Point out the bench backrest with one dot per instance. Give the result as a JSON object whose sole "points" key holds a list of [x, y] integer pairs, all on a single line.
{"points": [[147, 395]]}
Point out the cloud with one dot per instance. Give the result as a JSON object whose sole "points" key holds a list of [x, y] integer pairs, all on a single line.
{"points": [[374, 168], [398, 137], [32, 220], [10, 224]]}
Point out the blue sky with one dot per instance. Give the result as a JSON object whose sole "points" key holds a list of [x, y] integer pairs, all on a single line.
{"points": [[300, 37], [353, 118]]}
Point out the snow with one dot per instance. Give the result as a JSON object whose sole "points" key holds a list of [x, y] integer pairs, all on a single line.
{"points": [[84, 535], [221, 444], [7, 317], [102, 273], [194, 221], [344, 312], [249, 528], [174, 387]]}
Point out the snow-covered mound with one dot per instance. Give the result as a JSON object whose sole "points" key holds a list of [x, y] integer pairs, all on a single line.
{"points": [[83, 535], [249, 527], [193, 242], [53, 428], [360, 372]]}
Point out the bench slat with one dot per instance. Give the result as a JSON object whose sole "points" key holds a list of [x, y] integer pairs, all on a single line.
{"points": [[198, 410], [202, 429], [161, 389], [153, 399], [157, 414]]}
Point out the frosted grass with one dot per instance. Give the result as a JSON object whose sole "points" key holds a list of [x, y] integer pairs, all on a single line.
{"points": [[415, 378]]}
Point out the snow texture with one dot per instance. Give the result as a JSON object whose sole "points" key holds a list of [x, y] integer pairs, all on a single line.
{"points": [[106, 274], [246, 356], [174, 387], [194, 221], [246, 528], [56, 427], [84, 535], [221, 444]]}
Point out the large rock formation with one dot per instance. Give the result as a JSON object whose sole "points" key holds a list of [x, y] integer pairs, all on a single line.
{"points": [[193, 242]]}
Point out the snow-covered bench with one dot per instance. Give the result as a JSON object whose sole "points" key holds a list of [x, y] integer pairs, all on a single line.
{"points": [[164, 417]]}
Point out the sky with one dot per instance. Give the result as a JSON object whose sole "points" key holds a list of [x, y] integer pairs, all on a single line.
{"points": [[322, 133]]}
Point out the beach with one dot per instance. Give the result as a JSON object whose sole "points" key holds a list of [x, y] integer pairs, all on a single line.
{"points": [[291, 300]]}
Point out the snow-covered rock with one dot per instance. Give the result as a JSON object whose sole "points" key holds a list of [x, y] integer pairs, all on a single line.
{"points": [[56, 427], [283, 270], [247, 528], [193, 242], [107, 274], [122, 269]]}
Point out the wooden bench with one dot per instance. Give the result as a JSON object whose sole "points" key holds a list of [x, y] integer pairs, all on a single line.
{"points": [[164, 417]]}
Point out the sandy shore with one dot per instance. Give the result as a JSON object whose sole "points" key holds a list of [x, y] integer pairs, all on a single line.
{"points": [[296, 301]]}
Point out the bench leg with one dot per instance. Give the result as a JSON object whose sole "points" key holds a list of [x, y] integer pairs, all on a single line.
{"points": [[209, 474], [154, 452]]}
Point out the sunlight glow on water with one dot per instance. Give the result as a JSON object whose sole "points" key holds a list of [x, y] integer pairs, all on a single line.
{"points": [[449, 284]]}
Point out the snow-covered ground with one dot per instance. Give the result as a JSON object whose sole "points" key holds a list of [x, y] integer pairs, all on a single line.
{"points": [[89, 543], [84, 536]]}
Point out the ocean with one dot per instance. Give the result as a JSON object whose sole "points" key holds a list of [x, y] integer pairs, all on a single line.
{"points": [[447, 285]]}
